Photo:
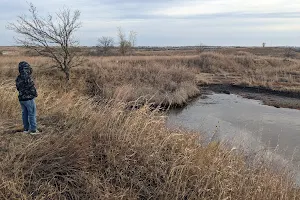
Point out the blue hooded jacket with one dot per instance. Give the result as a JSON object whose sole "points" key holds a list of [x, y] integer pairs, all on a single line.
{"points": [[24, 83]]}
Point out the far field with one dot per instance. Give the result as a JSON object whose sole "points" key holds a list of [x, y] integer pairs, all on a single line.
{"points": [[171, 77]]}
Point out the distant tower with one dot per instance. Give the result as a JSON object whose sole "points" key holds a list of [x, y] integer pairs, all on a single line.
{"points": [[264, 44]]}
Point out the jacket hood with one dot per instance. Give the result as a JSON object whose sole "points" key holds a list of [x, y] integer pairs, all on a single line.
{"points": [[25, 69]]}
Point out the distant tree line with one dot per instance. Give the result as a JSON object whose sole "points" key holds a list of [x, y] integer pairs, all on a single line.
{"points": [[125, 44]]}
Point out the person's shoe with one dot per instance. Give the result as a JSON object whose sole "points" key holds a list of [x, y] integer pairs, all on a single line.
{"points": [[26, 131], [34, 132]]}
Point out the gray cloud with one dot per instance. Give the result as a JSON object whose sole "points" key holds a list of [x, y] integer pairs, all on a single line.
{"points": [[161, 23]]}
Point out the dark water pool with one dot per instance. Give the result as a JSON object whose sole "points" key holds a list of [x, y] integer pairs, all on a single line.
{"points": [[244, 123]]}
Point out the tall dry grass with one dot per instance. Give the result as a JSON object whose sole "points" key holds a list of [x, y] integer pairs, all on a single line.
{"points": [[275, 73], [156, 82], [92, 150], [150, 81], [168, 79], [106, 152]]}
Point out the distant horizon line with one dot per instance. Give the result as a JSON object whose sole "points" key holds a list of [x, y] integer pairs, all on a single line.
{"points": [[187, 46]]}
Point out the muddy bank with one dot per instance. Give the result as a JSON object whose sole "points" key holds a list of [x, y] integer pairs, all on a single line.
{"points": [[278, 99]]}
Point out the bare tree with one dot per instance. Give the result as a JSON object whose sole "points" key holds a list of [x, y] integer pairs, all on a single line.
{"points": [[132, 38], [125, 44], [105, 44], [200, 48], [289, 52], [51, 36]]}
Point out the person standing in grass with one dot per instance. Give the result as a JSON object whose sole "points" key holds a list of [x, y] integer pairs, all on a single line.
{"points": [[27, 94]]}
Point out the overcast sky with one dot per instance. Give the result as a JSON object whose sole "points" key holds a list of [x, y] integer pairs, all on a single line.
{"points": [[174, 22]]}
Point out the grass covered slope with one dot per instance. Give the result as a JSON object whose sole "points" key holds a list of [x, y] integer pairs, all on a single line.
{"points": [[127, 80], [168, 80], [243, 68], [105, 152]]}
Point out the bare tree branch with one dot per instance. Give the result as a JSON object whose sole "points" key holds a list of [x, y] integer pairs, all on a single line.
{"points": [[125, 44], [50, 37], [105, 44]]}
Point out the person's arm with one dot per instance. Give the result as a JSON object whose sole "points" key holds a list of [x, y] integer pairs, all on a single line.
{"points": [[18, 84], [29, 83], [31, 86]]}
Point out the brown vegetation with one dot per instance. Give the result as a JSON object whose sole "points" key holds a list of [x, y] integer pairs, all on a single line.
{"points": [[93, 147], [279, 74]]}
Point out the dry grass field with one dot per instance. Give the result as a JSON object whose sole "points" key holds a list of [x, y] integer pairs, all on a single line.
{"points": [[94, 147]]}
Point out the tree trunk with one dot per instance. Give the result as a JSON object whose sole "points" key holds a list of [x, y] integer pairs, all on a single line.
{"points": [[67, 74]]}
